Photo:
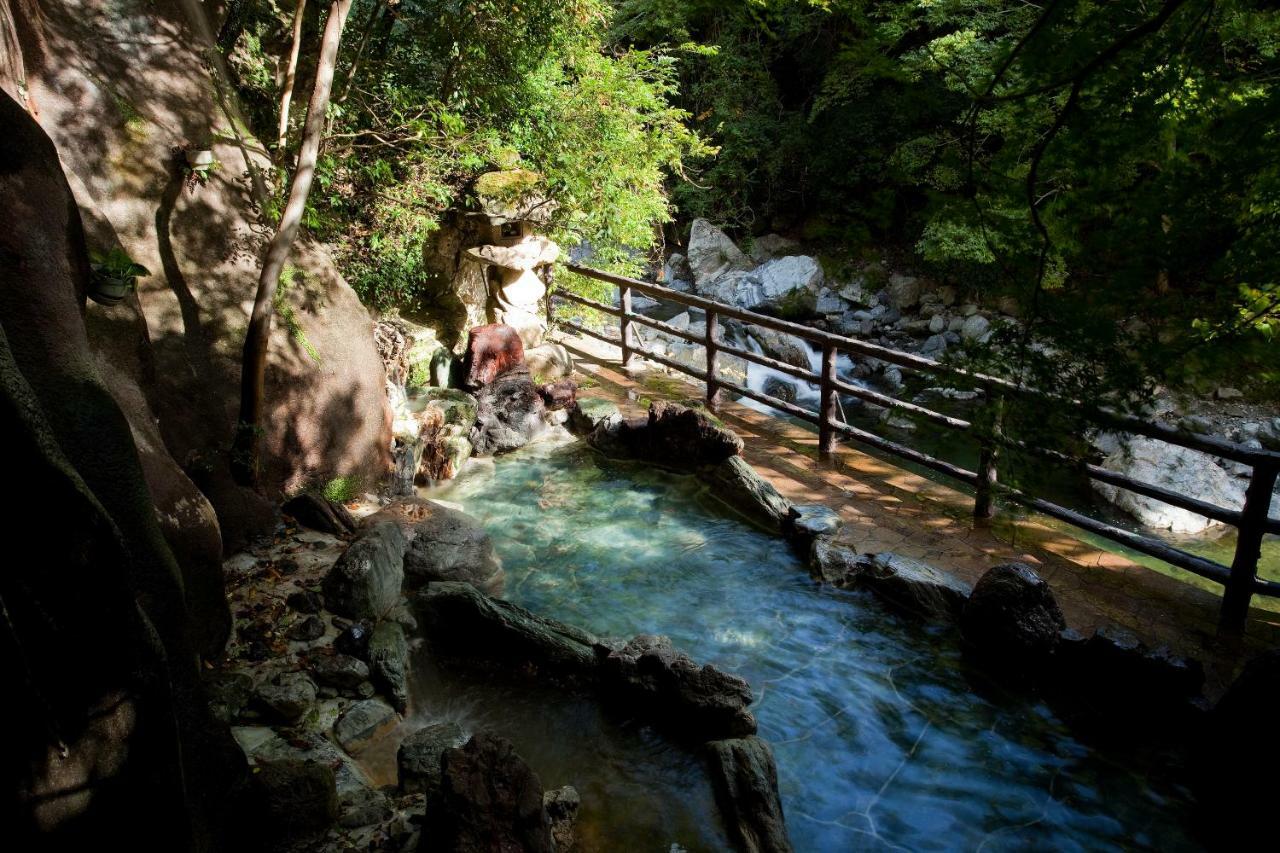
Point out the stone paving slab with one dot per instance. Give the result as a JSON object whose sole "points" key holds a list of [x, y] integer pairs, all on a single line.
{"points": [[887, 508]]}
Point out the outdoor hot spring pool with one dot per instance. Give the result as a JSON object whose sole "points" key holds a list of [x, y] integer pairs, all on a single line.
{"points": [[879, 735]]}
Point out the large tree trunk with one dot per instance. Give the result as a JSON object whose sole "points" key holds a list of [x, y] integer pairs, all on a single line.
{"points": [[244, 451], [291, 72]]}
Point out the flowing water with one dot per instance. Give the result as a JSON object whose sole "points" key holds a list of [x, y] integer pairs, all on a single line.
{"points": [[883, 737]]}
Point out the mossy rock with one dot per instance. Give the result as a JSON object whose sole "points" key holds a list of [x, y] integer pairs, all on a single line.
{"points": [[508, 185], [459, 407]]}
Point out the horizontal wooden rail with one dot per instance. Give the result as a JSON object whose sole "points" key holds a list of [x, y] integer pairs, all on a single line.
{"points": [[1240, 580]]}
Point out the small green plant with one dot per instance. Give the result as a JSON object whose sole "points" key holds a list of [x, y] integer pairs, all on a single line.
{"points": [[200, 167], [342, 489], [112, 274]]}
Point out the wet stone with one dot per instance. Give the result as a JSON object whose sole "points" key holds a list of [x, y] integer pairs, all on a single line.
{"points": [[341, 671], [419, 755], [306, 630], [361, 722], [288, 696]]}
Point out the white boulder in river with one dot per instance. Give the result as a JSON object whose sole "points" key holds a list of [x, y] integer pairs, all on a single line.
{"points": [[722, 272], [712, 254], [1178, 469]]}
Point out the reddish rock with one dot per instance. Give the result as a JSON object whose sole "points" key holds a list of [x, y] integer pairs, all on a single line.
{"points": [[559, 395], [491, 351]]}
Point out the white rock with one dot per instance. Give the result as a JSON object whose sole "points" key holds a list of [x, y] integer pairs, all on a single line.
{"points": [[937, 324], [712, 254], [956, 324], [1178, 469], [829, 302], [974, 327]]}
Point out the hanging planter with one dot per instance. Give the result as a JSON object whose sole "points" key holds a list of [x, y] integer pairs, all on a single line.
{"points": [[112, 275]]}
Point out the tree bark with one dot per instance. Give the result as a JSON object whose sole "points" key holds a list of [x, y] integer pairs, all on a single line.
{"points": [[370, 23], [290, 74], [244, 451]]}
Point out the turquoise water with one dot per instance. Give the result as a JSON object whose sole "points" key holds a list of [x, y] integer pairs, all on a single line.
{"points": [[880, 738]]}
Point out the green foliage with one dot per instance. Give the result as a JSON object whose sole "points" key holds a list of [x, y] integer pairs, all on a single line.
{"points": [[284, 309], [342, 489]]}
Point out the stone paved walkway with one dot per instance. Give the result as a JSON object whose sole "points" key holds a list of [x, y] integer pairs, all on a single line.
{"points": [[886, 508]]}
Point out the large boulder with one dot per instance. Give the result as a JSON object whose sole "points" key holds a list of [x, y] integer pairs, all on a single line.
{"points": [[365, 581], [492, 350], [321, 514], [1012, 617], [650, 675], [745, 779], [510, 413], [469, 627], [489, 800], [363, 721], [790, 284], [907, 584], [683, 435], [1186, 472], [735, 483], [389, 661], [419, 756], [712, 254], [782, 346], [449, 545]]}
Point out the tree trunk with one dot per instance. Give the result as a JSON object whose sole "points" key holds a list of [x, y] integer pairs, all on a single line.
{"points": [[374, 17], [244, 451], [290, 74]]}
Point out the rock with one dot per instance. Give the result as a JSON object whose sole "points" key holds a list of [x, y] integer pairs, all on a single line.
{"points": [[1231, 751], [735, 483], [745, 779], [320, 514], [807, 522], [913, 586], [365, 581], [829, 302], [465, 624], [791, 282], [299, 797], [586, 414], [490, 800], [833, 563], [648, 675], [561, 806], [362, 807], [456, 408], [362, 722], [341, 671], [306, 630], [974, 327], [492, 351], [769, 246], [1186, 472], [934, 345], [353, 639], [1227, 393], [782, 389], [509, 415], [1117, 668], [903, 291], [549, 362], [449, 545], [782, 346], [558, 395], [1012, 617], [305, 601], [937, 324], [676, 269], [688, 436], [389, 661], [442, 368], [288, 695], [229, 693], [420, 753], [712, 254]]}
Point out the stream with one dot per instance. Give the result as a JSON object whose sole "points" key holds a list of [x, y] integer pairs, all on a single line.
{"points": [[884, 738]]}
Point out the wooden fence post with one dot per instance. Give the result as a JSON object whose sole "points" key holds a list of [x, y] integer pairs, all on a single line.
{"points": [[1244, 567], [624, 323], [984, 507], [827, 404], [713, 351]]}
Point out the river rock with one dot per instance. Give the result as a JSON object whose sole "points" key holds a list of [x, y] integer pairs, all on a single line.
{"points": [[769, 246], [735, 483], [449, 545], [365, 581], [420, 753], [701, 703], [389, 661], [1118, 669], [807, 522], [305, 601], [465, 624], [913, 585], [489, 800], [306, 629], [320, 514], [689, 435], [362, 807], [903, 291], [299, 797], [712, 254], [1012, 617], [974, 327], [558, 395], [229, 693], [745, 779], [288, 696], [562, 806], [1184, 471], [457, 408], [792, 282], [492, 350], [833, 562], [782, 346], [362, 722], [341, 671], [779, 388], [588, 413], [509, 415]]}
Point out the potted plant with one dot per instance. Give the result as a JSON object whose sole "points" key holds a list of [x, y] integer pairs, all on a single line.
{"points": [[112, 275], [200, 165]]}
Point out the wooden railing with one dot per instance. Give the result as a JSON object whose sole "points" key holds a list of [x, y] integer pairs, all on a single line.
{"points": [[1240, 580]]}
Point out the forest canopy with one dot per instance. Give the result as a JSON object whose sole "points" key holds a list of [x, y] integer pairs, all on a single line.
{"points": [[1110, 166]]}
